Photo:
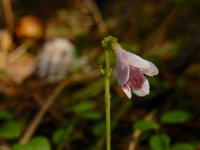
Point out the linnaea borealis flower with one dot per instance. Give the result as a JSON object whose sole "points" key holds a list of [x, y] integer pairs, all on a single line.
{"points": [[130, 70]]}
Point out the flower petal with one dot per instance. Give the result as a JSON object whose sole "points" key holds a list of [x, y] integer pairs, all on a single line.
{"points": [[126, 57], [151, 70], [130, 58], [122, 71], [127, 91], [144, 90]]}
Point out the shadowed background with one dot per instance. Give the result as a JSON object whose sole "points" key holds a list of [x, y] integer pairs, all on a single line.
{"points": [[51, 88]]}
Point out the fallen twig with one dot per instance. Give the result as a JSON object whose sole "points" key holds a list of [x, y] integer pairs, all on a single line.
{"points": [[136, 134], [38, 118], [97, 17], [7, 6]]}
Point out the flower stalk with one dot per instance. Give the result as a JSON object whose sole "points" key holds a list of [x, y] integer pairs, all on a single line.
{"points": [[107, 45], [107, 100]]}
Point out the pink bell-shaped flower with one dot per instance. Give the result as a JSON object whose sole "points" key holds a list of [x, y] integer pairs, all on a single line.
{"points": [[130, 70]]}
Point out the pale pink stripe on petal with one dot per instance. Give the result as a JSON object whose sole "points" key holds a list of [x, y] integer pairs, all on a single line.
{"points": [[136, 78]]}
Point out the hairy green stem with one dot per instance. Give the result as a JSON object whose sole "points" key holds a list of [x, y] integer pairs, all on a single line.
{"points": [[107, 44], [107, 100]]}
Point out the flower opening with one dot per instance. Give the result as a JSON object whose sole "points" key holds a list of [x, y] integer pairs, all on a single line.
{"points": [[130, 70]]}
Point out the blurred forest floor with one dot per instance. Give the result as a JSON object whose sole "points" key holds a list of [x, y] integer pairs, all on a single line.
{"points": [[51, 89]]}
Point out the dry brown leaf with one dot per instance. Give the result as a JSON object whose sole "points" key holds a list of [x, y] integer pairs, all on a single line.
{"points": [[21, 68]]}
